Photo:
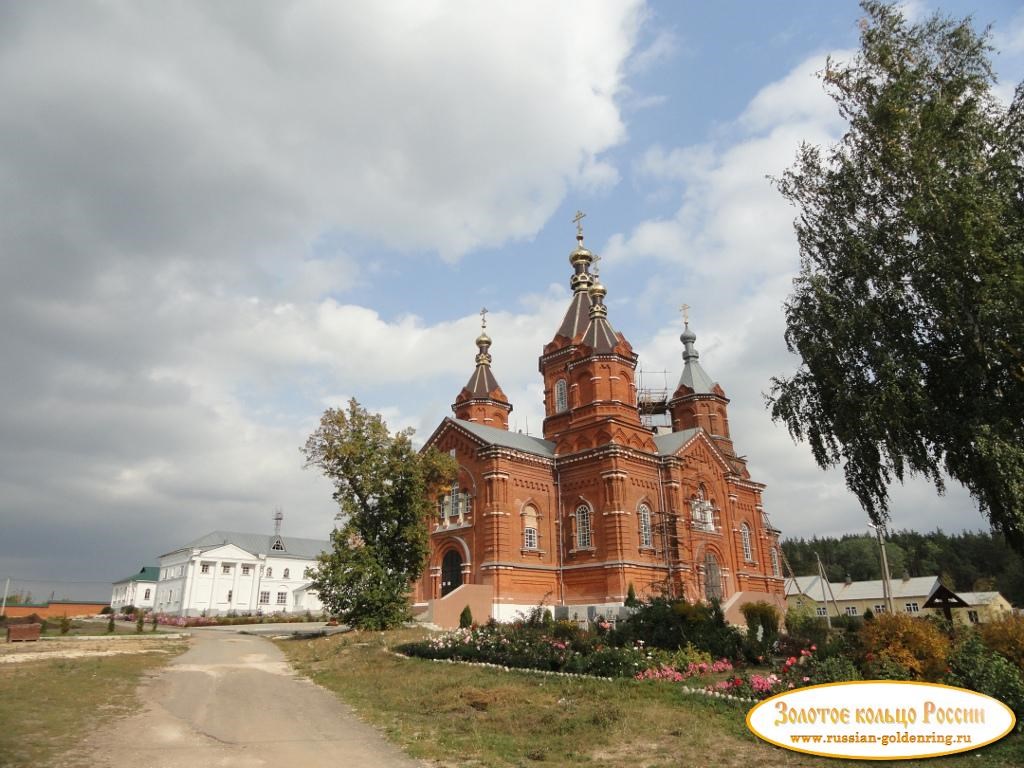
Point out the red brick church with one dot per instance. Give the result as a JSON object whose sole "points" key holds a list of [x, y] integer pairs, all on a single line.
{"points": [[605, 499]]}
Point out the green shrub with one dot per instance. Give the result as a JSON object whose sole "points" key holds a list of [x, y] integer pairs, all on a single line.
{"points": [[466, 618], [105, 610], [110, 624], [671, 624], [153, 621], [973, 665], [140, 621], [631, 601], [805, 626], [762, 620], [689, 654], [833, 669], [65, 625]]}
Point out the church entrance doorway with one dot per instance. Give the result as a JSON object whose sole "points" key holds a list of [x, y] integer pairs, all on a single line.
{"points": [[451, 572], [712, 578]]}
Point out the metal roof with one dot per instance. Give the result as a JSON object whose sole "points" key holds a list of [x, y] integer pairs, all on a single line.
{"points": [[978, 598], [482, 382], [576, 317], [506, 439], [260, 544], [920, 587], [668, 444], [147, 573], [600, 336], [696, 378]]}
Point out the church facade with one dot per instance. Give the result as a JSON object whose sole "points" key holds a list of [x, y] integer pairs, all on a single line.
{"points": [[604, 500]]}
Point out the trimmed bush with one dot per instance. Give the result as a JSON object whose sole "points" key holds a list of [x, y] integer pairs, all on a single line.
{"points": [[466, 618], [763, 617]]}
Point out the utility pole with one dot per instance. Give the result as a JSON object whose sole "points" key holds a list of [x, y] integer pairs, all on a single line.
{"points": [[7, 585], [884, 561], [824, 597]]}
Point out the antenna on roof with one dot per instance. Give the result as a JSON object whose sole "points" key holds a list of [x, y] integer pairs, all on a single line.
{"points": [[278, 517]]}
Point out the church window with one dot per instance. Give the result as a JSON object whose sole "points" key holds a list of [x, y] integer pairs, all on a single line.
{"points": [[561, 396], [584, 540], [265, 598], [226, 569], [204, 568], [644, 516], [270, 572], [776, 570], [529, 527], [146, 596], [245, 570], [282, 598], [286, 573], [278, 545], [748, 552], [453, 505], [712, 578]]}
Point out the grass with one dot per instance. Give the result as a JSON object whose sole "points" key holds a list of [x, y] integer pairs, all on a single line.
{"points": [[460, 715], [48, 706]]}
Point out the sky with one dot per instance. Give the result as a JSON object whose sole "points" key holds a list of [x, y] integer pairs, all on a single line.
{"points": [[220, 219]]}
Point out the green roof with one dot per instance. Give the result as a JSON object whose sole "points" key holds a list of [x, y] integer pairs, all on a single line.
{"points": [[146, 573]]}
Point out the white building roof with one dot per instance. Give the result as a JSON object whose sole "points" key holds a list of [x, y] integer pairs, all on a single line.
{"points": [[978, 598], [259, 544]]}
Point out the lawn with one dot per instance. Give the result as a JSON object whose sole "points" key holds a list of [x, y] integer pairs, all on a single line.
{"points": [[461, 715], [49, 706]]}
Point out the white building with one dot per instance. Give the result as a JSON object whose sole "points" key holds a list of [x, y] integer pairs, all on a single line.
{"points": [[137, 590], [226, 571]]}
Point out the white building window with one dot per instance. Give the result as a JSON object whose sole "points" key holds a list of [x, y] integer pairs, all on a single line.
{"points": [[282, 598], [226, 569], [851, 610], [748, 552], [643, 514], [972, 616], [270, 572], [529, 538], [231, 594], [584, 540], [146, 597], [822, 611], [879, 608], [912, 608], [286, 572], [264, 598], [776, 570], [561, 396], [246, 569], [204, 567]]}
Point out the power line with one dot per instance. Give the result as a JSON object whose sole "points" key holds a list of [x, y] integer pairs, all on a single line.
{"points": [[54, 581]]}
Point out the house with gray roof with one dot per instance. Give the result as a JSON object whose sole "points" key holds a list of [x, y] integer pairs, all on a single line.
{"points": [[230, 571], [137, 590]]}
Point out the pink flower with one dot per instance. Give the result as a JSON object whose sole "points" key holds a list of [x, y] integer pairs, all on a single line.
{"points": [[807, 679]]}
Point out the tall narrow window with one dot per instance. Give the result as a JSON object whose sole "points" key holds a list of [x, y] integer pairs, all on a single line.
{"points": [[644, 516], [146, 597], [583, 537], [748, 552], [286, 573], [712, 578], [776, 570], [529, 527], [561, 396]]}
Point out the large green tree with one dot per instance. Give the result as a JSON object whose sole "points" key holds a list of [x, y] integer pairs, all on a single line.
{"points": [[908, 312], [384, 489]]}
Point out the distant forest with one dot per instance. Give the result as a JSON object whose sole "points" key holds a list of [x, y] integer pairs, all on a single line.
{"points": [[966, 562]]}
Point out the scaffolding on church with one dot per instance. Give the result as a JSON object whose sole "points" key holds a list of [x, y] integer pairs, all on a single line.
{"points": [[652, 399]]}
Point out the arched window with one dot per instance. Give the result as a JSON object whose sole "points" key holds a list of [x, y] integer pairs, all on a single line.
{"points": [[776, 570], [702, 511], [748, 553], [583, 538], [643, 514], [712, 578], [530, 528], [286, 571], [147, 595], [561, 396], [270, 572]]}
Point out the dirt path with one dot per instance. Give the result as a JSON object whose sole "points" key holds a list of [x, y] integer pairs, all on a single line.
{"points": [[233, 701]]}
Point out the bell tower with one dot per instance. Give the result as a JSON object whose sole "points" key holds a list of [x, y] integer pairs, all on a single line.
{"points": [[481, 401], [698, 400]]}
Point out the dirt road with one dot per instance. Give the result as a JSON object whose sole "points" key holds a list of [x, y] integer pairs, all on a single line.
{"points": [[232, 701]]}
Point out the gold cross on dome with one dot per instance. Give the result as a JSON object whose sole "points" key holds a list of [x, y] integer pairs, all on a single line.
{"points": [[685, 309], [594, 260], [483, 317], [578, 221]]}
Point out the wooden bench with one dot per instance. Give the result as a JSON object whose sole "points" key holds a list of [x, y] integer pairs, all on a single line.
{"points": [[20, 633]]}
